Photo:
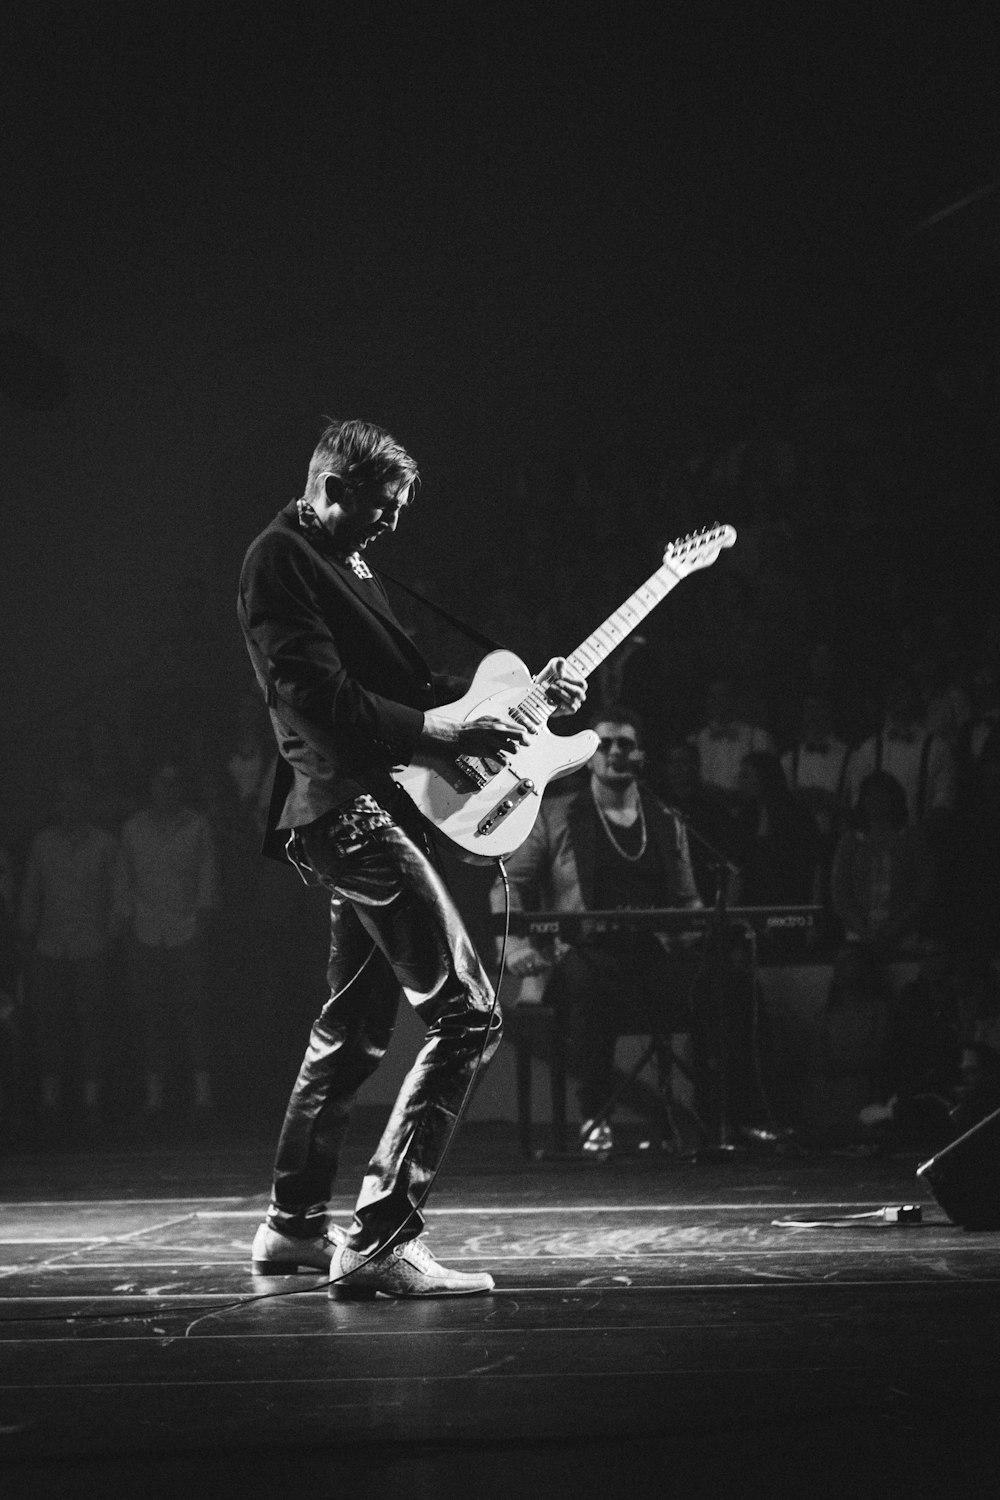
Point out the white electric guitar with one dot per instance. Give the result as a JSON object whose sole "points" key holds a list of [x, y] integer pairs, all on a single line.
{"points": [[487, 805]]}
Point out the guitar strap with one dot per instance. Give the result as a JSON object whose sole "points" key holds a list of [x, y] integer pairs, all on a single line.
{"points": [[453, 620]]}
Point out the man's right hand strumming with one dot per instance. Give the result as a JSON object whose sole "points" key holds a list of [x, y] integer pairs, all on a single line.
{"points": [[485, 736]]}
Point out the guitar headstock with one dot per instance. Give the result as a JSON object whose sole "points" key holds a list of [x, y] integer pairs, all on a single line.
{"points": [[699, 550]]}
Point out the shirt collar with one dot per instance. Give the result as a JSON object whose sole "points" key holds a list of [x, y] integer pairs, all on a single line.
{"points": [[317, 534]]}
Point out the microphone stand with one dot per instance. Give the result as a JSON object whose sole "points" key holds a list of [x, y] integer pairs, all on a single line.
{"points": [[724, 1148]]}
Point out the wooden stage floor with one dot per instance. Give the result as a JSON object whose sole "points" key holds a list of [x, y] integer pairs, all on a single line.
{"points": [[653, 1331]]}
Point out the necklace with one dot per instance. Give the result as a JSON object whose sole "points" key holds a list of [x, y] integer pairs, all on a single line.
{"points": [[608, 827]]}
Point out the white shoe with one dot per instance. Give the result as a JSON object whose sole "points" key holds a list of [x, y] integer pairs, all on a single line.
{"points": [[596, 1140], [277, 1254], [407, 1270]]}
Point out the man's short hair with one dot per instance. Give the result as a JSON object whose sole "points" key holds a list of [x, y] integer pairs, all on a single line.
{"points": [[360, 453], [617, 713]]}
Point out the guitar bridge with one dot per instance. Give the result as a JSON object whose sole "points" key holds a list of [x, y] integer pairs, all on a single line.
{"points": [[505, 808], [480, 771]]}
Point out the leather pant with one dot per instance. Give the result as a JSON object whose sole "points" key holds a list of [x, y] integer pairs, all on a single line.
{"points": [[393, 926]]}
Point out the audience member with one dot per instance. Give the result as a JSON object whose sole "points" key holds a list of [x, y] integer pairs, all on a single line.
{"points": [[882, 878], [167, 888], [881, 886], [244, 775], [711, 825], [778, 842], [848, 1063], [932, 1027], [946, 705], [67, 915], [921, 762], [980, 729], [815, 768], [725, 739]]}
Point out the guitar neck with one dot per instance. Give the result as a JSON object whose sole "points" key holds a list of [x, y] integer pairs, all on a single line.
{"points": [[619, 625]]}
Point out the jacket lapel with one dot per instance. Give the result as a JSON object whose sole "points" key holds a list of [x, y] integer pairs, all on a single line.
{"points": [[373, 597]]}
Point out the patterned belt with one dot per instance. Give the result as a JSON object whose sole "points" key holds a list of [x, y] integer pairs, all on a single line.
{"points": [[355, 822]]}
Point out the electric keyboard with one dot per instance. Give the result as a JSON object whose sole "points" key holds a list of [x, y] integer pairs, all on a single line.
{"points": [[672, 921]]}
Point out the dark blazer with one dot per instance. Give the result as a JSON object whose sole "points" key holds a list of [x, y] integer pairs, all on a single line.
{"points": [[345, 686]]}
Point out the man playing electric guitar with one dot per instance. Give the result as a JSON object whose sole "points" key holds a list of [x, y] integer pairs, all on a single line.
{"points": [[349, 698]]}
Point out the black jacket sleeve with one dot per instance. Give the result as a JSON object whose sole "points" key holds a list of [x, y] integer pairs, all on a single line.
{"points": [[311, 643]]}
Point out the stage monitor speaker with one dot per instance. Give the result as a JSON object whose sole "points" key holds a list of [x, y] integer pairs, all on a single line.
{"points": [[965, 1176]]}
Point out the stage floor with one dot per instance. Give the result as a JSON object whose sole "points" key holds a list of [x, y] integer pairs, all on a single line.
{"points": [[653, 1328]]}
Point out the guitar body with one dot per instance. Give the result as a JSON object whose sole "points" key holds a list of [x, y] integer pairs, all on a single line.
{"points": [[461, 810]]}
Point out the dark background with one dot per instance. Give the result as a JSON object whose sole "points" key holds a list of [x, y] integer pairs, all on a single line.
{"points": [[578, 258]]}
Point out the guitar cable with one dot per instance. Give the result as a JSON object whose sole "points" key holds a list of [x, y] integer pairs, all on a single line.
{"points": [[387, 1244]]}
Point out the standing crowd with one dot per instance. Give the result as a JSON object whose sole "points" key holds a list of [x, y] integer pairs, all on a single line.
{"points": [[136, 972]]}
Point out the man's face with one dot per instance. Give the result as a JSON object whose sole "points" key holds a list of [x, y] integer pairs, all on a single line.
{"points": [[357, 516], [617, 758]]}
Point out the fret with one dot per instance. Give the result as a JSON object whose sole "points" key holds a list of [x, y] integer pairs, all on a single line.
{"points": [[585, 660]]}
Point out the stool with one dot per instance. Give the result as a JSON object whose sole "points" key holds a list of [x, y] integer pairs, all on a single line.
{"points": [[675, 1105], [536, 1031]]}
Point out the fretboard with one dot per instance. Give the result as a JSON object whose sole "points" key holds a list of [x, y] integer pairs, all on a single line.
{"points": [[619, 625]]}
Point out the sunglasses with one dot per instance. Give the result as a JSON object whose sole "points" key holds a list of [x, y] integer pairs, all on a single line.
{"points": [[617, 739]]}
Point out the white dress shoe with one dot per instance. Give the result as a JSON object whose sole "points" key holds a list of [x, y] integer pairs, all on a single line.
{"points": [[277, 1254], [407, 1270]]}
